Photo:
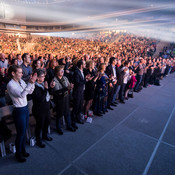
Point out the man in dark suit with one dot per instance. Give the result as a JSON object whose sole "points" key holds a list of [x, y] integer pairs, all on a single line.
{"points": [[78, 92], [111, 72], [120, 75]]}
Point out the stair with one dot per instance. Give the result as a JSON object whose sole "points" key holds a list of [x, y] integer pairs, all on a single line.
{"points": [[160, 47]]}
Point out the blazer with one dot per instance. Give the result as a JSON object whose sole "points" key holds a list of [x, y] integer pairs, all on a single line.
{"points": [[120, 75], [79, 84], [109, 70]]}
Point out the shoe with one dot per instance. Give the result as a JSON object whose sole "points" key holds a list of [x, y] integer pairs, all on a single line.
{"points": [[110, 108], [25, 154], [126, 98], [40, 144], [106, 110], [71, 129], [47, 138], [60, 131], [20, 158], [122, 102], [80, 122], [98, 114], [75, 126], [113, 105]]}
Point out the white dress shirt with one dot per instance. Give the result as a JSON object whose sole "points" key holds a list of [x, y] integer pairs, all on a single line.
{"points": [[126, 75], [4, 64], [18, 92]]}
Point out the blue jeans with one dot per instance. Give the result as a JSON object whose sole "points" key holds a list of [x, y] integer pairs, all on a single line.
{"points": [[2, 102], [21, 119], [139, 80], [116, 91]]}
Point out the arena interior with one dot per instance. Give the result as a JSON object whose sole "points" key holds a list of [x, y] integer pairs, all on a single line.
{"points": [[87, 87]]}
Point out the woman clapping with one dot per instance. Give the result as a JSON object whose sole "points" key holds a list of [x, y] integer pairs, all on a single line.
{"points": [[41, 108], [18, 91]]}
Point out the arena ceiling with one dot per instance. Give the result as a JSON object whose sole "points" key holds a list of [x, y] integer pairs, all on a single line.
{"points": [[151, 16]]}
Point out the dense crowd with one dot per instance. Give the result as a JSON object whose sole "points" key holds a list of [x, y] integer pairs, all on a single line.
{"points": [[75, 77]]}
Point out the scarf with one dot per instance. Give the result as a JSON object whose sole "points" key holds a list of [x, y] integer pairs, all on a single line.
{"points": [[42, 86]]}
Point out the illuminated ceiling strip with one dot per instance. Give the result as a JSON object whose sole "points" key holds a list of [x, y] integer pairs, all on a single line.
{"points": [[92, 18]]}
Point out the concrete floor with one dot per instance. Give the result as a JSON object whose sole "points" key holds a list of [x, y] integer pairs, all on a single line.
{"points": [[137, 138]]}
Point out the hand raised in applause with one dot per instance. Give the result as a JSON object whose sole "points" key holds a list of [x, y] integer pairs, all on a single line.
{"points": [[52, 84], [71, 86], [33, 78], [46, 85]]}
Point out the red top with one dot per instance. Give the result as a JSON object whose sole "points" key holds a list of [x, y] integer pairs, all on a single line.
{"points": [[132, 82]]}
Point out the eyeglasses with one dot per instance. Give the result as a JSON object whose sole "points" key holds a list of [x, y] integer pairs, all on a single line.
{"points": [[61, 71]]}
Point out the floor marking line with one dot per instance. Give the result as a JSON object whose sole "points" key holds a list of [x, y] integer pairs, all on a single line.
{"points": [[122, 121], [157, 145]]}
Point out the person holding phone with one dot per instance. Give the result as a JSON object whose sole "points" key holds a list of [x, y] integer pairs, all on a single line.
{"points": [[18, 91]]}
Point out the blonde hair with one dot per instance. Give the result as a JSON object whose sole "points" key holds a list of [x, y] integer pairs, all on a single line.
{"points": [[89, 64]]}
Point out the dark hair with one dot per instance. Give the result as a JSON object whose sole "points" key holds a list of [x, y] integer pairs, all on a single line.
{"points": [[126, 63], [112, 59], [60, 61], [58, 68], [39, 72], [24, 56], [39, 58], [79, 63], [13, 60], [34, 64], [13, 68]]}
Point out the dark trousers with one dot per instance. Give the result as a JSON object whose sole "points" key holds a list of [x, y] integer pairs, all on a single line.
{"points": [[21, 119], [139, 80], [146, 80], [77, 108], [59, 121], [110, 95], [42, 123], [121, 92], [99, 104]]}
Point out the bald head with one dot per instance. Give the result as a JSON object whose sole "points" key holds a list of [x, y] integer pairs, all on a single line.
{"points": [[2, 56]]}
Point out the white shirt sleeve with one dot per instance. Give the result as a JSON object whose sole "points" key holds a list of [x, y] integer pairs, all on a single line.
{"points": [[32, 88], [16, 92]]}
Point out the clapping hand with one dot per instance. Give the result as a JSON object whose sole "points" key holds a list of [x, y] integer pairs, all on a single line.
{"points": [[46, 85], [70, 86], [33, 78], [88, 76], [52, 84]]}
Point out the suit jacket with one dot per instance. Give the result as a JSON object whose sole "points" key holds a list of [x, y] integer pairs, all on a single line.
{"points": [[120, 75], [109, 71], [79, 84]]}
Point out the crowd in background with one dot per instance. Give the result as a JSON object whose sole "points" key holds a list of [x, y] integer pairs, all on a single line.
{"points": [[75, 77]]}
